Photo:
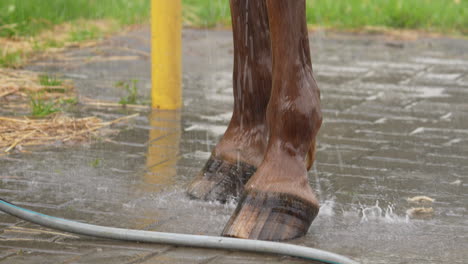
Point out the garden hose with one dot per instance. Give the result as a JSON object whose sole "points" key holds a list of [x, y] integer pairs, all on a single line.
{"points": [[173, 238]]}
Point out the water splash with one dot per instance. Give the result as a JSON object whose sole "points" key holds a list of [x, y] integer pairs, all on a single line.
{"points": [[327, 207], [377, 214]]}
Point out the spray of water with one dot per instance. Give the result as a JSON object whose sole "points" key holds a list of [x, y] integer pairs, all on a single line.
{"points": [[377, 214]]}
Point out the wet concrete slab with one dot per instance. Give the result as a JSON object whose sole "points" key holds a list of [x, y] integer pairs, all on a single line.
{"points": [[395, 127]]}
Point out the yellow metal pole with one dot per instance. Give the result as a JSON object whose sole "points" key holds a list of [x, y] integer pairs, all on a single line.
{"points": [[166, 60]]}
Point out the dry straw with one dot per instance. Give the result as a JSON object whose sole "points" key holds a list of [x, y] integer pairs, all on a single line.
{"points": [[22, 84], [16, 88], [21, 132]]}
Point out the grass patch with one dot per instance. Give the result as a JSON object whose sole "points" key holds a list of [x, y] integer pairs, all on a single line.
{"points": [[445, 16], [95, 163], [206, 13], [132, 92], [17, 50], [29, 26], [50, 43], [68, 101], [42, 108], [39, 94], [11, 59], [79, 35], [48, 80], [29, 17]]}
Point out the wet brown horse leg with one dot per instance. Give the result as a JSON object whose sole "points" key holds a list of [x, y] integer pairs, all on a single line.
{"points": [[241, 149], [278, 202]]}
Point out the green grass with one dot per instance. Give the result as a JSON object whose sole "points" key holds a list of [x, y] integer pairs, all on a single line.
{"points": [[206, 13], [68, 101], [95, 163], [132, 92], [84, 34], [446, 16], [449, 16], [11, 60], [47, 80], [28, 17], [41, 107]]}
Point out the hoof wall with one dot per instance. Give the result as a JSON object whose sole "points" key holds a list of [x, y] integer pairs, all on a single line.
{"points": [[271, 216], [220, 180]]}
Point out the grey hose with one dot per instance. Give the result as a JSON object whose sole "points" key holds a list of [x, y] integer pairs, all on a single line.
{"points": [[172, 238]]}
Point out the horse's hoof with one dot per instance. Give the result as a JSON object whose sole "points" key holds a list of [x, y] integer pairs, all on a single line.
{"points": [[271, 216], [220, 180]]}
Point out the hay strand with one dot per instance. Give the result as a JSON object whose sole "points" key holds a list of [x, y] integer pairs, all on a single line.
{"points": [[19, 132], [24, 83]]}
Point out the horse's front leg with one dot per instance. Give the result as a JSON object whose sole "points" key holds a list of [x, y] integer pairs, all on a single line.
{"points": [[278, 202], [241, 149]]}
